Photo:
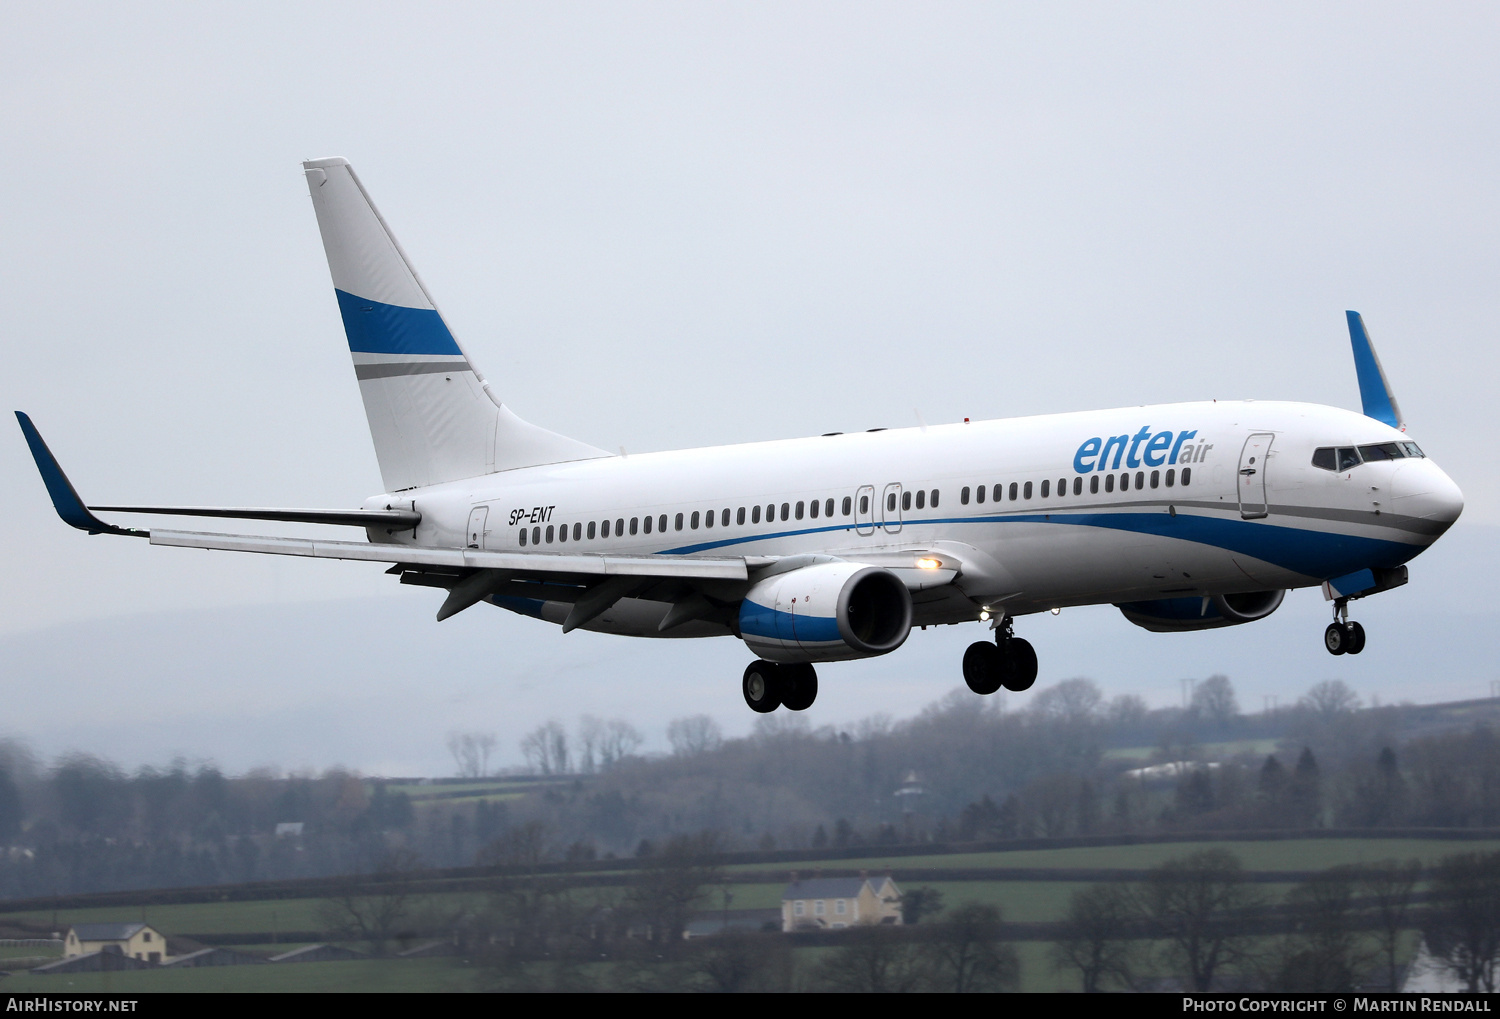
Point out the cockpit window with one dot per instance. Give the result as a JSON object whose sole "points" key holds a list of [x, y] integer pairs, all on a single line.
{"points": [[1324, 458], [1412, 449], [1382, 451], [1348, 458]]}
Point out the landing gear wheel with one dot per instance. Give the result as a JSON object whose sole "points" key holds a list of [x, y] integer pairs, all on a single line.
{"points": [[799, 686], [761, 686], [1020, 664], [1356, 638], [983, 667], [1337, 639]]}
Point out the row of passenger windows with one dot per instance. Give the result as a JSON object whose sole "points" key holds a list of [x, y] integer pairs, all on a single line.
{"points": [[920, 499], [1346, 458], [692, 521], [1024, 490]]}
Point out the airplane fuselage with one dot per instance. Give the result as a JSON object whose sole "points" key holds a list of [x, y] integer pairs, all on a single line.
{"points": [[1113, 506]]}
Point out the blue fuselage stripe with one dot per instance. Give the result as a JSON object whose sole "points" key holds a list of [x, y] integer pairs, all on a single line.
{"points": [[1318, 554], [376, 328]]}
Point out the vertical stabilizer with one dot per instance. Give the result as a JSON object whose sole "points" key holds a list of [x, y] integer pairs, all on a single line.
{"points": [[1375, 394], [432, 416]]}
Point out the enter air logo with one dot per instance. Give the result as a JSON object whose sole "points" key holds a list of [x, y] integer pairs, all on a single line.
{"points": [[1152, 449]]}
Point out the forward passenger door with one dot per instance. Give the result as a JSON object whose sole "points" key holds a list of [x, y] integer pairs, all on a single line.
{"points": [[890, 508], [1252, 475], [864, 510]]}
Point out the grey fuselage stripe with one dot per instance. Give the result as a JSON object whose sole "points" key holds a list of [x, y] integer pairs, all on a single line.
{"points": [[386, 371]]}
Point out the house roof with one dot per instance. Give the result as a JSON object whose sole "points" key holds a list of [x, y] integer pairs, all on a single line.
{"points": [[825, 888], [106, 931]]}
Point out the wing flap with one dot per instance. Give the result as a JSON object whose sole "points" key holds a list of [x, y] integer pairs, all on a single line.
{"points": [[461, 558]]}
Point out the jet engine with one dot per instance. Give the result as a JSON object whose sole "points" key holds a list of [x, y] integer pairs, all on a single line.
{"points": [[1173, 615], [826, 612]]}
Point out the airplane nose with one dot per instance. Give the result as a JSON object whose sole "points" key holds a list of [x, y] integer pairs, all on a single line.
{"points": [[1423, 491]]}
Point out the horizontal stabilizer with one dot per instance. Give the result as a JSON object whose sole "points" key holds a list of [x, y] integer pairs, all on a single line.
{"points": [[1375, 395], [64, 497]]}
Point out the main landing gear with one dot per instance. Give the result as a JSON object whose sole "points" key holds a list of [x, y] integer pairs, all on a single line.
{"points": [[1343, 637], [1009, 662], [768, 686]]}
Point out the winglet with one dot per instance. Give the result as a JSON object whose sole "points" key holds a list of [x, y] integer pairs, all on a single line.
{"points": [[64, 497], [1374, 388]]}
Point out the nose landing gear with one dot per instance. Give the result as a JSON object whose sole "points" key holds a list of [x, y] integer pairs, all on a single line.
{"points": [[1009, 662], [1343, 637]]}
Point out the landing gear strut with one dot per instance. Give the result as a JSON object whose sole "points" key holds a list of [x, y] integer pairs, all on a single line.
{"points": [[1009, 662], [1343, 637], [768, 686]]}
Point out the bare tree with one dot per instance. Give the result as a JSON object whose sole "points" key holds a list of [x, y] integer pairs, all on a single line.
{"points": [[968, 955], [1330, 699], [620, 740], [1191, 904], [1464, 931], [1071, 701], [546, 749], [1388, 887], [873, 960], [671, 883], [1325, 952], [471, 752], [1214, 700], [1095, 937], [377, 909], [697, 734]]}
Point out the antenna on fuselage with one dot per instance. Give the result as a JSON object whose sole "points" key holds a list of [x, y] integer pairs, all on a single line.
{"points": [[1375, 395]]}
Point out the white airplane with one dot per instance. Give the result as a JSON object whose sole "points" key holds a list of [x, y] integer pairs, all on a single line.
{"points": [[1185, 516]]}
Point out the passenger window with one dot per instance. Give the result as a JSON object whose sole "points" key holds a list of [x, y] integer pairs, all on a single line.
{"points": [[661, 524], [1155, 479], [1124, 482], [979, 493], [1109, 482], [633, 523], [724, 517], [1140, 480], [1012, 492], [536, 535], [755, 514], [890, 503], [578, 531], [963, 496], [1027, 490], [549, 534], [1348, 458], [800, 508], [848, 505], [1187, 475], [603, 530], [739, 516], [678, 521], [906, 500], [828, 507], [1062, 486], [1171, 476], [620, 528], [648, 526], [1093, 485], [1046, 488], [812, 509], [523, 537], [695, 520], [770, 513], [864, 504], [999, 490], [562, 533], [708, 519], [786, 511], [921, 499], [1325, 459], [934, 498], [1078, 486]]}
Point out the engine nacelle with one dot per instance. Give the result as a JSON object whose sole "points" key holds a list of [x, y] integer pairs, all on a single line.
{"points": [[1173, 615], [826, 612]]}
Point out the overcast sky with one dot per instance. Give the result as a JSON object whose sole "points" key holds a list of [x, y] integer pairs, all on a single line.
{"points": [[657, 226]]}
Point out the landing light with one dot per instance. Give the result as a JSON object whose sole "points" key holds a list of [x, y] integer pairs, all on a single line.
{"points": [[984, 615], [928, 564]]}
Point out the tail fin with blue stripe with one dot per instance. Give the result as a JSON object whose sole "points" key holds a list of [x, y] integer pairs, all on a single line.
{"points": [[432, 415], [1375, 395]]}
